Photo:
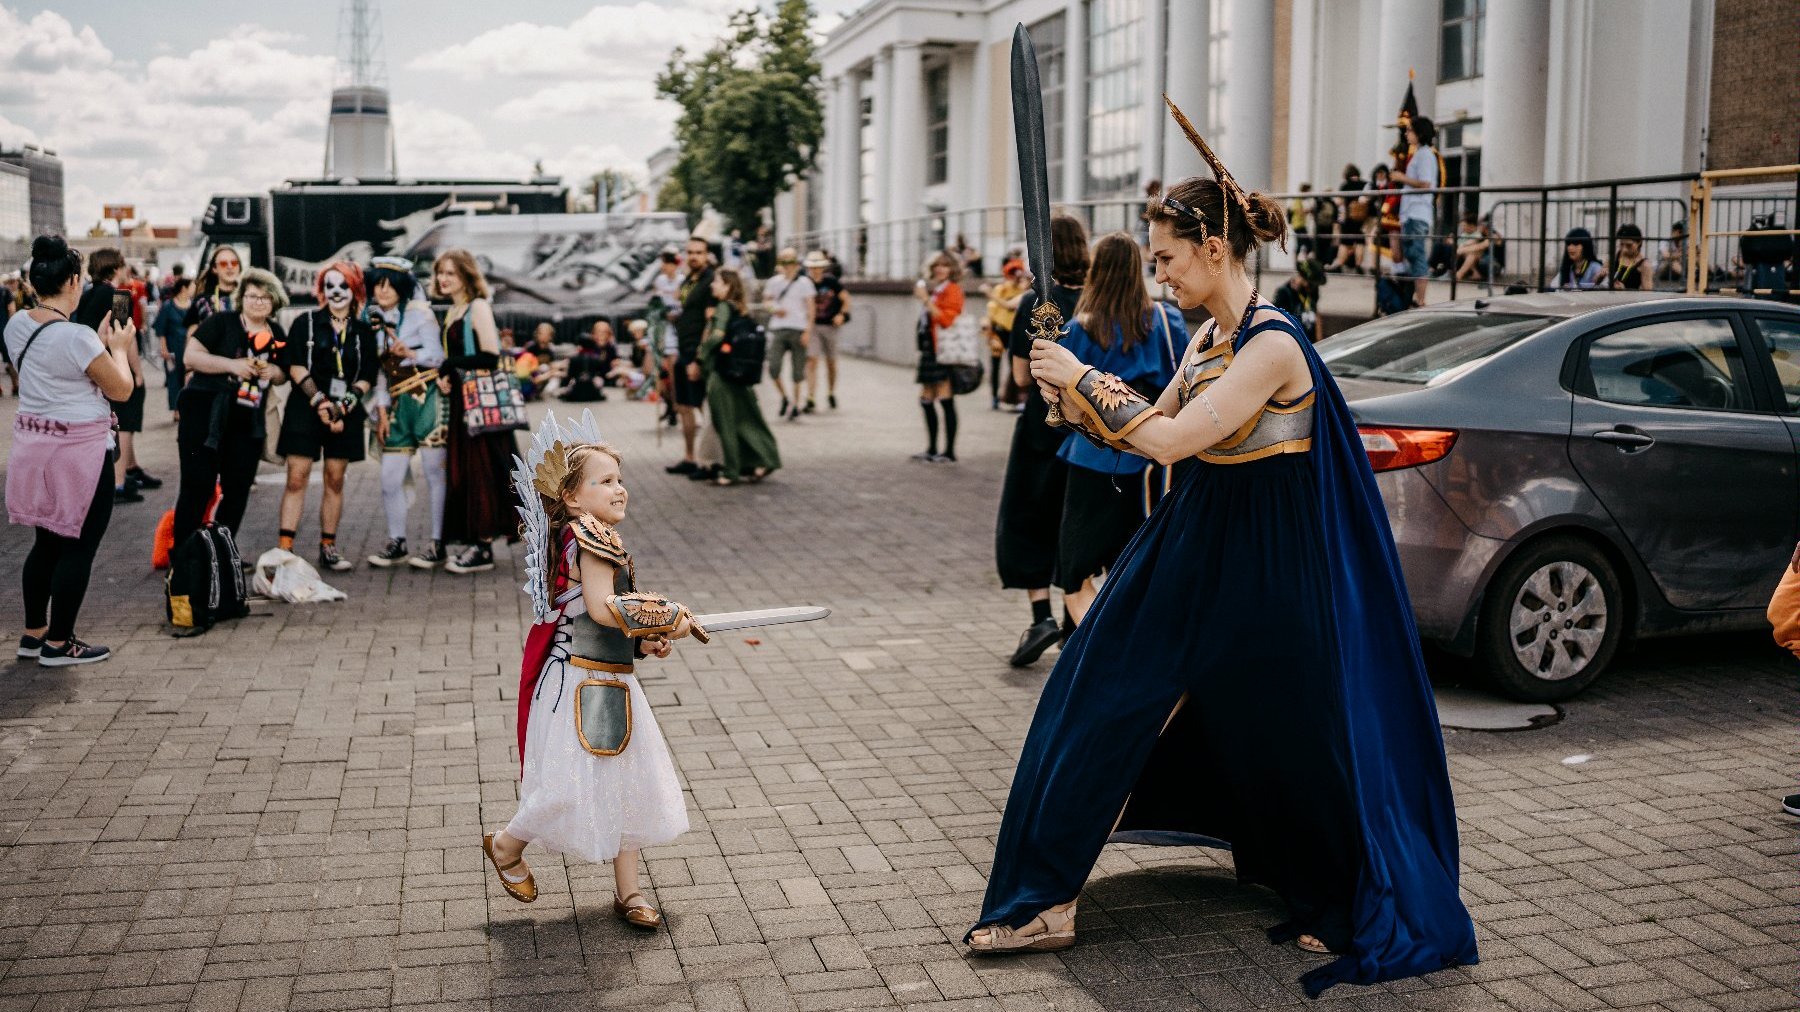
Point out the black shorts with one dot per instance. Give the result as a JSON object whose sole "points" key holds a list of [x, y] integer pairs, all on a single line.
{"points": [[1100, 514], [303, 435], [688, 393], [130, 411]]}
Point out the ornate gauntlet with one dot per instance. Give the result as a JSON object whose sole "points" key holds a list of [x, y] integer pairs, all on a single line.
{"points": [[1105, 408], [642, 614]]}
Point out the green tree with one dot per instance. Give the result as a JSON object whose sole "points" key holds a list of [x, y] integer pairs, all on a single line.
{"points": [[750, 119], [616, 184]]}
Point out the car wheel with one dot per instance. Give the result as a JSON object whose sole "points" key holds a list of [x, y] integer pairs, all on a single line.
{"points": [[1551, 620]]}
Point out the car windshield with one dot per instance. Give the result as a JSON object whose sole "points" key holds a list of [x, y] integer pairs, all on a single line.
{"points": [[1419, 346]]}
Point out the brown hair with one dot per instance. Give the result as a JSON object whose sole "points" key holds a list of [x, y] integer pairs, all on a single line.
{"points": [[463, 262], [948, 259], [104, 263], [577, 457], [1115, 295], [734, 289], [1068, 251], [1263, 222]]}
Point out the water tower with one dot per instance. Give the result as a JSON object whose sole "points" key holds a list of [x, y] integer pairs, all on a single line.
{"points": [[359, 142]]}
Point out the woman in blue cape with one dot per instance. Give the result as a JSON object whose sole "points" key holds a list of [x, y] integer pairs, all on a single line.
{"points": [[1249, 676]]}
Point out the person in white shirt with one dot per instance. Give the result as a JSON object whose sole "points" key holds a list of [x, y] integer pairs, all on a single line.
{"points": [[1416, 208], [789, 296]]}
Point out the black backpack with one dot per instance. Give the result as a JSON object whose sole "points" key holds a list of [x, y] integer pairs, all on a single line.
{"points": [[206, 581], [745, 349]]}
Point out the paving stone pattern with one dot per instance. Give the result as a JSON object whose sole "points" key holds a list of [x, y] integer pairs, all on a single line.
{"points": [[286, 813]]}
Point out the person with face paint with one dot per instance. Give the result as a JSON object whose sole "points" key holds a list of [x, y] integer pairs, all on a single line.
{"points": [[410, 413], [333, 360]]}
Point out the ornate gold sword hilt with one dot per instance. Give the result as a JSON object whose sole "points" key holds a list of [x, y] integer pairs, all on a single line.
{"points": [[1046, 325]]}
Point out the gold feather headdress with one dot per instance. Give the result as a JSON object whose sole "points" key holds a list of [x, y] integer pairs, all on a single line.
{"points": [[554, 468], [1219, 171]]}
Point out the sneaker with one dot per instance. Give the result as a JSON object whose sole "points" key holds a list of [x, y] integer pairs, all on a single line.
{"points": [[330, 559], [1037, 639], [685, 467], [30, 646], [474, 559], [944, 458], [707, 473], [929, 456], [126, 493], [810, 406], [784, 408], [393, 554], [831, 399], [72, 652], [1789, 804], [143, 478], [794, 415], [430, 558]]}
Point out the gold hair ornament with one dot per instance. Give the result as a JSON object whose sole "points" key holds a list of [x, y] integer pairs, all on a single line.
{"points": [[1226, 182], [554, 469]]}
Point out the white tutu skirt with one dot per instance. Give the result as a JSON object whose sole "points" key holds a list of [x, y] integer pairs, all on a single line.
{"points": [[574, 802]]}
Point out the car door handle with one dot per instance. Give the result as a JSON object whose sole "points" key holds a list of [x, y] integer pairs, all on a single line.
{"points": [[1626, 439]]}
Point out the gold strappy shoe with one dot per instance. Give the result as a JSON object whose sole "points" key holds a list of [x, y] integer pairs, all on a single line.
{"points": [[524, 890], [1058, 934], [1312, 944], [638, 915]]}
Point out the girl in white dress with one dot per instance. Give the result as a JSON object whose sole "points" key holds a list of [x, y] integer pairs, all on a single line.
{"points": [[598, 780]]}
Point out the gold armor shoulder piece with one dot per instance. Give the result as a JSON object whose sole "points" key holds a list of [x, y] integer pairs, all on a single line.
{"points": [[600, 539]]}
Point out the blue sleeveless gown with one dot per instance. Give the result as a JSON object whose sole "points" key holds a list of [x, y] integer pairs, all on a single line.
{"points": [[1269, 594]]}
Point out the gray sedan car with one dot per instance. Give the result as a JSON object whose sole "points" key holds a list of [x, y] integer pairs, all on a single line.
{"points": [[1564, 471]]}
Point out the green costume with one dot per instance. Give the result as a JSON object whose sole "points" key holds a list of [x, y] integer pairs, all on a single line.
{"points": [[745, 441]]}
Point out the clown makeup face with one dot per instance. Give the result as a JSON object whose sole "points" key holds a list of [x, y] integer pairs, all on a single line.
{"points": [[337, 292]]}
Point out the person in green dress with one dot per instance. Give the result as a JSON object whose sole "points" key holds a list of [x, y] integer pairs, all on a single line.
{"points": [[745, 442]]}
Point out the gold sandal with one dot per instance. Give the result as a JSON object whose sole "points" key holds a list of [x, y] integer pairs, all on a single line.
{"points": [[638, 915], [524, 890], [1312, 944], [1058, 934]]}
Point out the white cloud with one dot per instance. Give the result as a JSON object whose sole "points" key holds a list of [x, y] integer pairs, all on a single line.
{"points": [[583, 99], [246, 62], [611, 40], [47, 43]]}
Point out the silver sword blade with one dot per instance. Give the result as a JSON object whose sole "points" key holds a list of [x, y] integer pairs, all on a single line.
{"points": [[726, 621]]}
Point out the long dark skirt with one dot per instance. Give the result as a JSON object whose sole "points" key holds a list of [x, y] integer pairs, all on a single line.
{"points": [[1100, 514], [1223, 603], [1031, 502], [480, 504]]}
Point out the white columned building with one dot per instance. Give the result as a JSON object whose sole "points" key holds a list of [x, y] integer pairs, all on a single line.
{"points": [[1523, 92]]}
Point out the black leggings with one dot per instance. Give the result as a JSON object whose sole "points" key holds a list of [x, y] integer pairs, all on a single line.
{"points": [[57, 568], [232, 466]]}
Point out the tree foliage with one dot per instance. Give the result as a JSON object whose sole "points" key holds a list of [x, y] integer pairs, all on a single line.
{"points": [[750, 119]]}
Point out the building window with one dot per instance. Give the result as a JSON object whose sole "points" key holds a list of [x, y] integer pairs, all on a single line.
{"points": [[1049, 37], [1114, 119], [865, 183], [937, 101], [1464, 30]]}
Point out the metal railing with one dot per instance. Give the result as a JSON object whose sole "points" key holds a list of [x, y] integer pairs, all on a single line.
{"points": [[1531, 222]]}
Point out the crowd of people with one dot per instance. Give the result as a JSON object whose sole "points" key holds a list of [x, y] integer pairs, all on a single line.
{"points": [[1384, 225]]}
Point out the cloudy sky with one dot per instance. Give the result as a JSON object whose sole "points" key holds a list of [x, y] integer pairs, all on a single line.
{"points": [[161, 105]]}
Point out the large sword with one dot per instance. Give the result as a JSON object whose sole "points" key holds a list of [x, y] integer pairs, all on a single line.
{"points": [[1034, 189], [726, 621]]}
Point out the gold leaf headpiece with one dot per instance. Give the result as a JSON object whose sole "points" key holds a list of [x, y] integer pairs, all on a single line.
{"points": [[553, 470], [1219, 171]]}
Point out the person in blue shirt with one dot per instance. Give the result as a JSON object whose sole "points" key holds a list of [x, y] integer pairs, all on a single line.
{"points": [[1116, 329]]}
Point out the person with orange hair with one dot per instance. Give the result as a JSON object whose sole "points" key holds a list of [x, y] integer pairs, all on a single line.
{"points": [[333, 359]]}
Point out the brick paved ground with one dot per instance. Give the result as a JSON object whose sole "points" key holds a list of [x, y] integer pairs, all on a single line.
{"points": [[285, 813]]}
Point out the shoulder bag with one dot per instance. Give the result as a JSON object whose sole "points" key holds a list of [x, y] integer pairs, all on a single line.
{"points": [[492, 400]]}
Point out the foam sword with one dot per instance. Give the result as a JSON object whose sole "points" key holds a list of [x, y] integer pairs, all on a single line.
{"points": [[1034, 188], [726, 621]]}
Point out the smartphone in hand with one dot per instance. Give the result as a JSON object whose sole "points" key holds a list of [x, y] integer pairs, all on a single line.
{"points": [[121, 308]]}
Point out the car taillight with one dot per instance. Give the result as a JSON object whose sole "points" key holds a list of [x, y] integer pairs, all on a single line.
{"points": [[1393, 449]]}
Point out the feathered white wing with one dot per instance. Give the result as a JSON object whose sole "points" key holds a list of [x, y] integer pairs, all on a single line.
{"points": [[540, 554]]}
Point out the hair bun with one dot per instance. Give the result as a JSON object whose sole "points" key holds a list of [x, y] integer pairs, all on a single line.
{"points": [[49, 247], [1267, 220]]}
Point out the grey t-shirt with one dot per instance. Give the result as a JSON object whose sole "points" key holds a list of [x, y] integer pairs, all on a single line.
{"points": [[1415, 205], [54, 382]]}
